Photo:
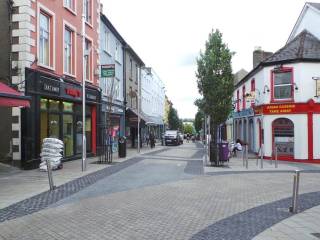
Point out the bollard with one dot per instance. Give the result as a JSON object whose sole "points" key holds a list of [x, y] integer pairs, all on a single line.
{"points": [[247, 164], [257, 161], [295, 192], [276, 157], [243, 156], [261, 157], [51, 185]]}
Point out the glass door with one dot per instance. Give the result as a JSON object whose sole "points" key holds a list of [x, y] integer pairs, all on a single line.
{"points": [[54, 123], [78, 130], [68, 134]]}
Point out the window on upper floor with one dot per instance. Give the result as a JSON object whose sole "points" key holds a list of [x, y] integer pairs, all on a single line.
{"points": [[137, 73], [107, 41], [88, 60], [243, 97], [88, 10], [44, 38], [282, 82], [117, 53], [253, 89], [131, 69], [69, 59], [70, 5]]}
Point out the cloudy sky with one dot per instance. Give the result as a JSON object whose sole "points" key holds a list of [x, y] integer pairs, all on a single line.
{"points": [[168, 35]]}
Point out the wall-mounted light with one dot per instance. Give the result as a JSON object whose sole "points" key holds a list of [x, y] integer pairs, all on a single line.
{"points": [[295, 86], [266, 88]]}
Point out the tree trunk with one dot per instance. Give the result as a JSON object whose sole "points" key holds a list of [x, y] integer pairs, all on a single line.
{"points": [[213, 142]]}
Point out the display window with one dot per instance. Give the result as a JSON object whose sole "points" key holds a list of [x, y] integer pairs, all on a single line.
{"points": [[63, 120]]}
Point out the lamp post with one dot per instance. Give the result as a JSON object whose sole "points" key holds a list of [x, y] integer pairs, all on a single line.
{"points": [[84, 164]]}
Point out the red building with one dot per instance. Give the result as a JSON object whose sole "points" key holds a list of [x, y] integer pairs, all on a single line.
{"points": [[48, 64]]}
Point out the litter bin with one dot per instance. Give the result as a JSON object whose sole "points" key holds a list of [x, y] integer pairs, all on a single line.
{"points": [[223, 152], [122, 148]]}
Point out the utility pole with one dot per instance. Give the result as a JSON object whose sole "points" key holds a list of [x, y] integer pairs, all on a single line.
{"points": [[84, 151]]}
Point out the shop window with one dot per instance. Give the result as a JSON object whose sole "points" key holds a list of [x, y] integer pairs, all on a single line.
{"points": [[283, 136], [54, 105], [282, 84], [68, 134]]}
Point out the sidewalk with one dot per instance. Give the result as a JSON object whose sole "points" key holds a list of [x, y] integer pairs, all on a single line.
{"points": [[236, 164], [302, 226], [17, 185]]}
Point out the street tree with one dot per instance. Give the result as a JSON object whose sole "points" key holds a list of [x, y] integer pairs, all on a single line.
{"points": [[215, 82], [187, 128], [198, 121], [173, 119]]}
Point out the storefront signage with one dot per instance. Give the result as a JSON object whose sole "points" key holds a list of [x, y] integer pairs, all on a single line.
{"points": [[91, 97], [73, 92], [49, 85], [317, 87], [288, 108], [108, 70], [279, 109], [250, 97]]}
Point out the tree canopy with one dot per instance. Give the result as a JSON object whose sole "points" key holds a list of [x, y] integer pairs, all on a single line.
{"points": [[188, 128], [215, 79], [173, 119], [198, 121]]}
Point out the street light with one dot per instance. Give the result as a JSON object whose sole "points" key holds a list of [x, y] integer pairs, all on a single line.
{"points": [[84, 151]]}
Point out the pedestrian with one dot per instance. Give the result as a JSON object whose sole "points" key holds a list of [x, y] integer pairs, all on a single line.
{"points": [[237, 147], [147, 139], [152, 140]]}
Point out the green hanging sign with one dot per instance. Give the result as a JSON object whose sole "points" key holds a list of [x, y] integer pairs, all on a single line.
{"points": [[108, 70]]}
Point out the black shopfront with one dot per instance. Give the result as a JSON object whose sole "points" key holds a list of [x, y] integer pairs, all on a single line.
{"points": [[56, 111]]}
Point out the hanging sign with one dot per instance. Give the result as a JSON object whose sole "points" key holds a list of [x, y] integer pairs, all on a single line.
{"points": [[250, 97], [108, 70]]}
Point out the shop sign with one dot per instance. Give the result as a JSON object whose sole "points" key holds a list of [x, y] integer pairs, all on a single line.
{"points": [[108, 70], [250, 97], [279, 109], [317, 86], [73, 92], [51, 86], [91, 97]]}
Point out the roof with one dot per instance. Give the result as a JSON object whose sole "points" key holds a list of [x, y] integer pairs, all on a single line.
{"points": [[107, 22], [134, 54], [315, 5], [305, 47]]}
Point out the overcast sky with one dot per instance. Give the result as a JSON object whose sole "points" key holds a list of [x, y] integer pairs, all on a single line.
{"points": [[168, 35]]}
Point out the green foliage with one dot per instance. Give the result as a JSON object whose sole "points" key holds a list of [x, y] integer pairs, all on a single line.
{"points": [[188, 128], [173, 119], [198, 121], [215, 79]]}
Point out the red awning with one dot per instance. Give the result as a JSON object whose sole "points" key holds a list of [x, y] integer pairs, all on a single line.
{"points": [[9, 97]]}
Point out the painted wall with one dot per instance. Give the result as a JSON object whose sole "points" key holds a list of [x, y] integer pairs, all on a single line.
{"points": [[107, 56], [300, 137], [316, 136]]}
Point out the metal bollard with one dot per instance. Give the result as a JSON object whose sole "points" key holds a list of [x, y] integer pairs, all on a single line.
{"points": [[51, 185], [261, 157], [243, 156], [295, 193], [257, 161], [276, 157], [247, 163]]}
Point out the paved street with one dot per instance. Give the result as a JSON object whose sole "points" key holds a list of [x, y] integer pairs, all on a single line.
{"points": [[161, 195]]}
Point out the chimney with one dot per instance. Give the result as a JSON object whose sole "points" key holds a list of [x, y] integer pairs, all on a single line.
{"points": [[101, 8], [259, 55]]}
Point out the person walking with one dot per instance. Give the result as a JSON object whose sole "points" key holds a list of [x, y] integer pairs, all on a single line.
{"points": [[152, 140]]}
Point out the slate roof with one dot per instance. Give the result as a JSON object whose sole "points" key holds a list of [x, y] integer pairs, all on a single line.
{"points": [[315, 5], [304, 46]]}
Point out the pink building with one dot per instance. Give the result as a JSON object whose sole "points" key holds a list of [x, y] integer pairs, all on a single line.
{"points": [[47, 62]]}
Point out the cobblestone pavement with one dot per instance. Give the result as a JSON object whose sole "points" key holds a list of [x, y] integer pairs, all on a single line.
{"points": [[305, 225], [167, 196]]}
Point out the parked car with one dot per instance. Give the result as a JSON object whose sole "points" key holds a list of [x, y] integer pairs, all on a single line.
{"points": [[172, 137]]}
